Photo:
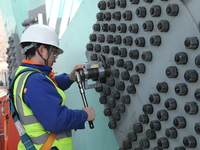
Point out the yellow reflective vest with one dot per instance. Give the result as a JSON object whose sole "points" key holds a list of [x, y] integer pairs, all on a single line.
{"points": [[30, 123]]}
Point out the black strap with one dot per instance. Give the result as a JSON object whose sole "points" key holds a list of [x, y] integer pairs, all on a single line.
{"points": [[10, 90], [24, 137]]}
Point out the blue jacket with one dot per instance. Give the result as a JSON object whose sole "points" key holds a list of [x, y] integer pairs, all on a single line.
{"points": [[43, 99]]}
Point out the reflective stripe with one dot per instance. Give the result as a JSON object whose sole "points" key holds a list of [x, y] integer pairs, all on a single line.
{"points": [[25, 120], [28, 120], [31, 119], [63, 135], [40, 139]]}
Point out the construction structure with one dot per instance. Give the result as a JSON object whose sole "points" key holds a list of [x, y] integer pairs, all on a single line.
{"points": [[151, 98]]}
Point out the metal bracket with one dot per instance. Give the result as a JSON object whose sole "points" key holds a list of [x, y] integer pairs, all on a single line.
{"points": [[3, 106], [91, 86]]}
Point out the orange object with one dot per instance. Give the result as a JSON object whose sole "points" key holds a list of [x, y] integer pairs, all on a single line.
{"points": [[9, 136], [49, 142]]}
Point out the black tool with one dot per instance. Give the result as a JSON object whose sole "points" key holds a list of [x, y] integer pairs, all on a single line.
{"points": [[82, 91]]}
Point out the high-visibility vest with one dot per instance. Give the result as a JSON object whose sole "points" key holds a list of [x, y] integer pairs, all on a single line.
{"points": [[30, 123]]}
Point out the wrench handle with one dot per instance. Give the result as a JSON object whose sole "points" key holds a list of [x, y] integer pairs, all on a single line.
{"points": [[82, 92], [91, 124]]}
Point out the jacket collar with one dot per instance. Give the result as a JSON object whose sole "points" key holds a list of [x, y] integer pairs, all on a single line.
{"points": [[43, 68]]}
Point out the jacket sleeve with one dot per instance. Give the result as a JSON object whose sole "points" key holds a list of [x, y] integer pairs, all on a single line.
{"points": [[63, 81], [44, 100]]}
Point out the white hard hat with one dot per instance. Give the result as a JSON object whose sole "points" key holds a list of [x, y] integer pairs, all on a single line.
{"points": [[39, 33]]}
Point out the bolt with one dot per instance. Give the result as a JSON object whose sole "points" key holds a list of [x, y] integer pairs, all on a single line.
{"points": [[189, 142], [155, 125], [134, 54], [133, 28], [181, 89], [138, 128], [179, 122], [155, 11], [163, 26], [170, 104], [155, 40], [141, 12], [172, 9], [171, 72]]}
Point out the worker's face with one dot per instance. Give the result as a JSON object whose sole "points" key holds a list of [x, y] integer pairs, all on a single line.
{"points": [[53, 56], [47, 54]]}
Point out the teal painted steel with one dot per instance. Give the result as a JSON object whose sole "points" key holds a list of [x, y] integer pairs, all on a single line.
{"points": [[8, 16], [74, 43], [15, 12]]}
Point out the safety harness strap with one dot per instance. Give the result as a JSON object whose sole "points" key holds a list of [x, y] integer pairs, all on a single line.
{"points": [[47, 145], [24, 136], [45, 139]]}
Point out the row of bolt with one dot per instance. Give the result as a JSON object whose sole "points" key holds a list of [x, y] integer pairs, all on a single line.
{"points": [[155, 10], [162, 26]]}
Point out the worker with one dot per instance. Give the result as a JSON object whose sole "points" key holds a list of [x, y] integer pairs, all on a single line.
{"points": [[40, 102]]}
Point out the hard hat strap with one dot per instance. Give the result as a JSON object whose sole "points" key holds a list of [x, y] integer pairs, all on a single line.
{"points": [[49, 53]]}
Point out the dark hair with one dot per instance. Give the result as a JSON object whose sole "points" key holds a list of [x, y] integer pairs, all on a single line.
{"points": [[31, 52]]}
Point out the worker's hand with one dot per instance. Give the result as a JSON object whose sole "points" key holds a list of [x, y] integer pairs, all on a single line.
{"points": [[90, 112], [77, 67]]}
